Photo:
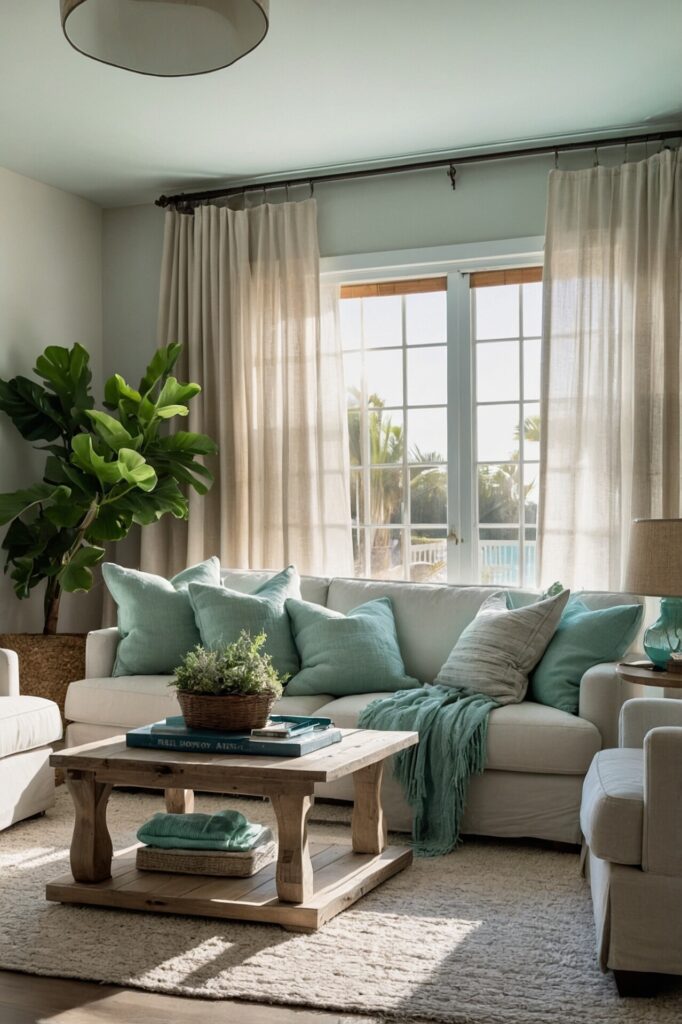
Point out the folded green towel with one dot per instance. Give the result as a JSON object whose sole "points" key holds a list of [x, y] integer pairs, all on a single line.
{"points": [[226, 830]]}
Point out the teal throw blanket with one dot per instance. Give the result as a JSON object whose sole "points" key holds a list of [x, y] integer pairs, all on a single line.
{"points": [[453, 727], [227, 830]]}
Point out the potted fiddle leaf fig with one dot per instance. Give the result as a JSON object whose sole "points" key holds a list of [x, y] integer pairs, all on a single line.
{"points": [[104, 472]]}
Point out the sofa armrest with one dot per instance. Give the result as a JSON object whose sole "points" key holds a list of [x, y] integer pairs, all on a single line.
{"points": [[602, 694], [100, 652], [9, 673], [662, 838], [642, 714]]}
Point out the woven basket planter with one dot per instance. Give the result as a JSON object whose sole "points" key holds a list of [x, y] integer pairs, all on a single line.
{"points": [[230, 712], [47, 664]]}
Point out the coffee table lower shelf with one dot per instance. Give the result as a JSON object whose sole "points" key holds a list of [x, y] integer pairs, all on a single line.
{"points": [[340, 878]]}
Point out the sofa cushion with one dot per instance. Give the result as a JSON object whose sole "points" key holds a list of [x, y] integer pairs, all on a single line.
{"points": [[612, 808], [584, 637], [497, 651], [429, 618], [246, 581], [126, 702], [523, 737], [26, 723], [343, 654], [222, 613], [155, 617]]}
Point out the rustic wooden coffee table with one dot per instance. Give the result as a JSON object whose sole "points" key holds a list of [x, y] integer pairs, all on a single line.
{"points": [[307, 887]]}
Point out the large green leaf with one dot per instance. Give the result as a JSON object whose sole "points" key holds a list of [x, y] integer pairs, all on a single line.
{"points": [[18, 502], [112, 523], [35, 413], [147, 508], [59, 472], [67, 372], [174, 393], [117, 390], [188, 443], [136, 470], [112, 432], [162, 363], [168, 411], [85, 457], [76, 574], [21, 576]]}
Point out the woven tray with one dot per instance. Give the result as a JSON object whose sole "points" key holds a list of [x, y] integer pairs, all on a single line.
{"points": [[207, 862]]}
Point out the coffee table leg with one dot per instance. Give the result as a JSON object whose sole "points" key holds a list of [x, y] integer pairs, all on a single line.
{"points": [[91, 849], [369, 824], [180, 801], [294, 868]]}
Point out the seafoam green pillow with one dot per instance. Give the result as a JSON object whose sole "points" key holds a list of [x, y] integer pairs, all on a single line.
{"points": [[155, 617], [346, 654], [221, 614], [583, 638]]}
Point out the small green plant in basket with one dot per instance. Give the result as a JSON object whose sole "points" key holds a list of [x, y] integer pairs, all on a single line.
{"points": [[230, 689]]}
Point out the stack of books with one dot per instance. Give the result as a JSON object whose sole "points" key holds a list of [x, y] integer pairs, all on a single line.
{"points": [[284, 736]]}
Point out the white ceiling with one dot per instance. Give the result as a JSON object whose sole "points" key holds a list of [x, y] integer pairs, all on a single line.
{"points": [[335, 82]]}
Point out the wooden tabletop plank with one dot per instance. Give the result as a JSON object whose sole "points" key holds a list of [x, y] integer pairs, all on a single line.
{"points": [[358, 748]]}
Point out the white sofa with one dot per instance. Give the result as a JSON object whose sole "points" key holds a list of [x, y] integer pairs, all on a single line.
{"points": [[537, 756], [28, 727], [631, 818]]}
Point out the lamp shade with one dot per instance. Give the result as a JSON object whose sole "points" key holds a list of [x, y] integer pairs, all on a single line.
{"points": [[165, 37], [654, 566]]}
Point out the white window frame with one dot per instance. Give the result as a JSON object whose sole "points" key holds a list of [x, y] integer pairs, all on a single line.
{"points": [[455, 262]]}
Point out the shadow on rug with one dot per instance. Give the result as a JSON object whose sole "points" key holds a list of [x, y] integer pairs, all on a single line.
{"points": [[495, 933]]}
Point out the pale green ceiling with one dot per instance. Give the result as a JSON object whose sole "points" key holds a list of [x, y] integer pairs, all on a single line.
{"points": [[335, 82]]}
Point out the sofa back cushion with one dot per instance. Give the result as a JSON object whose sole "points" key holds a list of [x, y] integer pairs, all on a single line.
{"points": [[429, 617], [246, 581]]}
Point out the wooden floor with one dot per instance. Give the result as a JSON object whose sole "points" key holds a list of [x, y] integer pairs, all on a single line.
{"points": [[25, 999]]}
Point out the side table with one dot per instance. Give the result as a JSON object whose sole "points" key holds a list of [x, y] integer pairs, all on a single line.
{"points": [[643, 676]]}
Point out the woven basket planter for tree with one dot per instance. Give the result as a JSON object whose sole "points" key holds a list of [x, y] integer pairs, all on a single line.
{"points": [[231, 712], [47, 664]]}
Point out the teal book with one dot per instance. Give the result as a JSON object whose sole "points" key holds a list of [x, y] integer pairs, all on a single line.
{"points": [[174, 735]]}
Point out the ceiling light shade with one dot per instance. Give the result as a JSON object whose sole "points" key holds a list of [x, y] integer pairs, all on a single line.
{"points": [[165, 37]]}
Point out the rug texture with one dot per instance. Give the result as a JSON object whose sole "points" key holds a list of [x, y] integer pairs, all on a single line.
{"points": [[494, 933]]}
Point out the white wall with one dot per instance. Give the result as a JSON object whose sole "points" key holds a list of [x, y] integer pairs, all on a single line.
{"points": [[50, 293]]}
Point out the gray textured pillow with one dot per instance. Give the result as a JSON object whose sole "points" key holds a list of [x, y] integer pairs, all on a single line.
{"points": [[499, 648]]}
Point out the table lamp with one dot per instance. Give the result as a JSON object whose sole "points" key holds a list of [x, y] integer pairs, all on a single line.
{"points": [[654, 569]]}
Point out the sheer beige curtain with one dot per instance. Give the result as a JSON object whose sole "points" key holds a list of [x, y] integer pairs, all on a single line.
{"points": [[241, 290], [611, 389]]}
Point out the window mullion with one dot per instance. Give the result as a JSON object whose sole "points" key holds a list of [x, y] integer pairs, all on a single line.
{"points": [[407, 501], [461, 542], [522, 437]]}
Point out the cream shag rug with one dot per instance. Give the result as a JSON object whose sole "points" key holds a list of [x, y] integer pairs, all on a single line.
{"points": [[494, 933]]}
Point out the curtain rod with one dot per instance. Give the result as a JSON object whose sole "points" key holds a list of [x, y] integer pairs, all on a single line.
{"points": [[188, 199]]}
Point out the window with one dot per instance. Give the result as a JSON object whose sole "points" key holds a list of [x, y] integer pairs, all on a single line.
{"points": [[506, 327], [443, 389], [395, 361]]}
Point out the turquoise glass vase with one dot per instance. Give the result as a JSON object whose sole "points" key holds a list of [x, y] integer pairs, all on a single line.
{"points": [[664, 637]]}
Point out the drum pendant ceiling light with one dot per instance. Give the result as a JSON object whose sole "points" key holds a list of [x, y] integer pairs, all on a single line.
{"points": [[165, 37]]}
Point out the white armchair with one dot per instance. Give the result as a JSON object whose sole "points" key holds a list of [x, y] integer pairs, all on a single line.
{"points": [[9, 673], [28, 727], [631, 818]]}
